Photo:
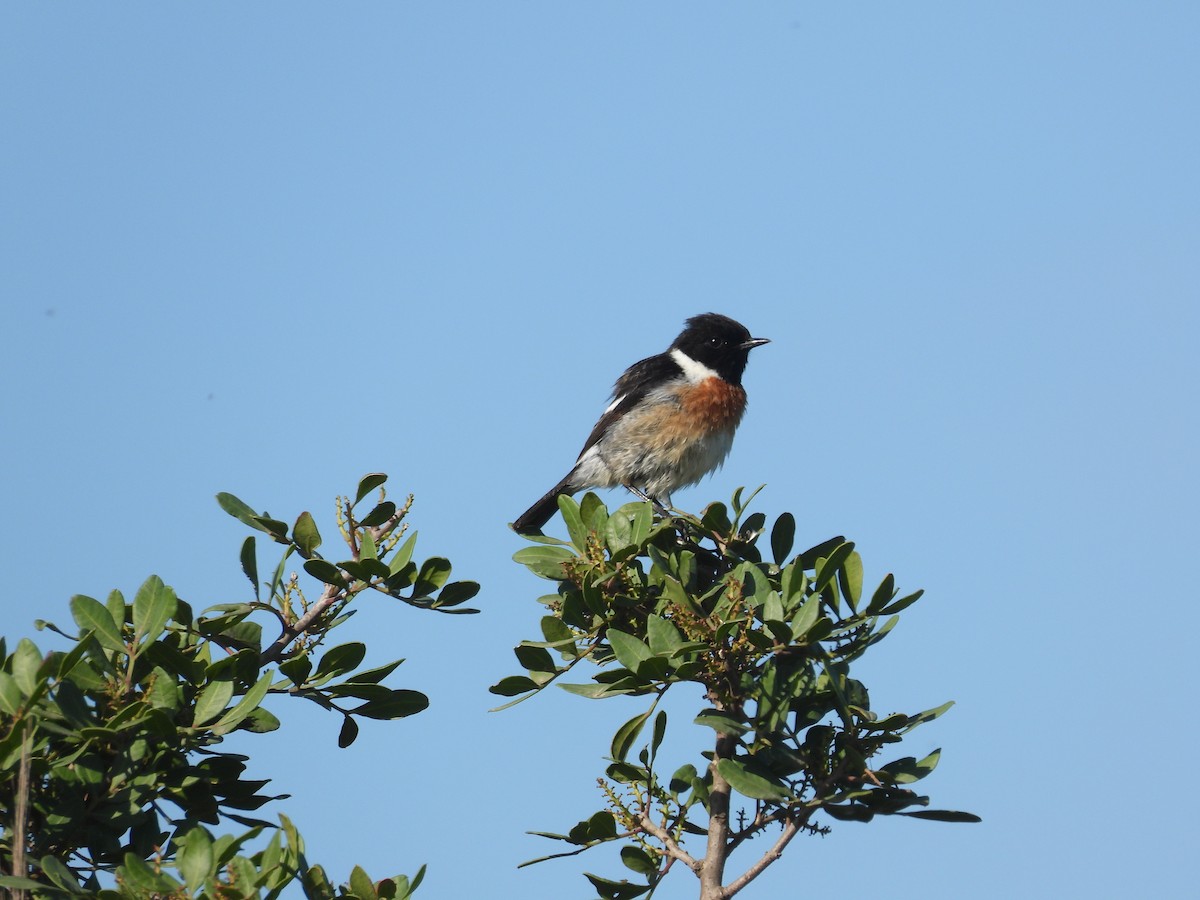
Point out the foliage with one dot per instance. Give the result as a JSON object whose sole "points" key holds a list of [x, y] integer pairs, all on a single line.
{"points": [[111, 765], [655, 602]]}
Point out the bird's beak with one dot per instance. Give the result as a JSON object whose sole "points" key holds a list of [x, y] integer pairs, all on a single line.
{"points": [[755, 342]]}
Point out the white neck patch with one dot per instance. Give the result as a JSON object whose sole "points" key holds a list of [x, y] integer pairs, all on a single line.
{"points": [[694, 371]]}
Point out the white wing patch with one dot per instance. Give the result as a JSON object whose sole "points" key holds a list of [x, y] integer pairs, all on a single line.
{"points": [[695, 372]]}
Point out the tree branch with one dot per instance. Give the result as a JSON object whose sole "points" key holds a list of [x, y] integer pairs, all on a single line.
{"points": [[669, 844], [790, 830], [331, 595]]}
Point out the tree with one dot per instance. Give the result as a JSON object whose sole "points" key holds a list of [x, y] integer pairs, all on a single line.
{"points": [[653, 602], [111, 766]]}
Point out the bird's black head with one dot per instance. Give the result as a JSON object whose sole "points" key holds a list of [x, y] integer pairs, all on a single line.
{"points": [[718, 342]]}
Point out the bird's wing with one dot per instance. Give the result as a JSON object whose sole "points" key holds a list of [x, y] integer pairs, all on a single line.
{"points": [[630, 389]]}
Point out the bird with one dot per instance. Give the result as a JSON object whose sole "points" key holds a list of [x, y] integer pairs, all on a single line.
{"points": [[671, 420]]}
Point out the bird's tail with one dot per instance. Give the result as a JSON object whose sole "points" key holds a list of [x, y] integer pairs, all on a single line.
{"points": [[532, 520]]}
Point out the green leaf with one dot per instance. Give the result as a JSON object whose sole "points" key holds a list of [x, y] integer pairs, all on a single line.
{"points": [[902, 603], [376, 675], [400, 704], [212, 702], [403, 555], [382, 511], [11, 696], [90, 615], [513, 685], [348, 733], [927, 716], [850, 578], [827, 569], [249, 702], [783, 535], [943, 815], [882, 596], [325, 571], [305, 534], [434, 573], [544, 561], [368, 484], [26, 664], [615, 890], [535, 659], [341, 658], [630, 652], [750, 784], [249, 559], [153, 606], [239, 510], [722, 723], [361, 884], [638, 860], [195, 860], [457, 592], [627, 734], [664, 638]]}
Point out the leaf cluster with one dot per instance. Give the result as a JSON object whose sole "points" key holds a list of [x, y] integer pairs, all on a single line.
{"points": [[112, 764], [649, 602]]}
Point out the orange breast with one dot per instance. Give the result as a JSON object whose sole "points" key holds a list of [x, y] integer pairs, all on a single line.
{"points": [[714, 405]]}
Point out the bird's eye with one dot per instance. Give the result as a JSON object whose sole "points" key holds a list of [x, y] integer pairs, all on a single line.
{"points": [[714, 342]]}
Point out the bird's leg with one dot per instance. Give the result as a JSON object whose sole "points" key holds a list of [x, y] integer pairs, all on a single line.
{"points": [[662, 507]]}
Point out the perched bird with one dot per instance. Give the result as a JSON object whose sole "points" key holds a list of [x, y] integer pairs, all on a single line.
{"points": [[670, 423]]}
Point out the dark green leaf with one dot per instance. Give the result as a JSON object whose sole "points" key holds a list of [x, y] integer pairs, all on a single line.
{"points": [[535, 659], [627, 734], [902, 603], [382, 511], [828, 569], [368, 484], [943, 815], [239, 510], [638, 860], [615, 890], [751, 784], [434, 573], [457, 592], [348, 732], [783, 534], [513, 685], [325, 571], [376, 675], [882, 596], [249, 559], [402, 703], [341, 658]]}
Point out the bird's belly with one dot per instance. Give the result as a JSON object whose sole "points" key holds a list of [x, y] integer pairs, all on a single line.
{"points": [[675, 441]]}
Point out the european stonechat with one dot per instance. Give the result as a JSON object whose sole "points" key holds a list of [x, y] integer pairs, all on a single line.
{"points": [[670, 423]]}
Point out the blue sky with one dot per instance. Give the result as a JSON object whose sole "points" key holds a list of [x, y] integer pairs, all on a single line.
{"points": [[267, 248]]}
